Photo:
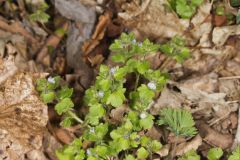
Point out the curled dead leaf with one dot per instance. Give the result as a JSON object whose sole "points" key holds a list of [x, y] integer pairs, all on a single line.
{"points": [[187, 146], [221, 34]]}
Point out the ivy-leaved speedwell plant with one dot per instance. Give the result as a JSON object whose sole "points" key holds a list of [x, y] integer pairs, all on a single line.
{"points": [[109, 139]]}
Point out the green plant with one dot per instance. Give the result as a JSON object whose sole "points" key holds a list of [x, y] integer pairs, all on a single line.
{"points": [[190, 155], [238, 17], [235, 154], [235, 3], [215, 154], [109, 139], [50, 91], [179, 121], [184, 8], [220, 10], [176, 49], [40, 15]]}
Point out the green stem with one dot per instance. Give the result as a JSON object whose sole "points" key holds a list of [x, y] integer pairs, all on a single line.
{"points": [[74, 116], [137, 81]]}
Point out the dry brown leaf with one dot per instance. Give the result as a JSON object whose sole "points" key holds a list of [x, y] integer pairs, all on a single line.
{"points": [[98, 34], [23, 115], [152, 21], [231, 87], [117, 114], [215, 138], [170, 98], [207, 83], [154, 133], [17, 27], [202, 25], [52, 41], [164, 150], [7, 69], [221, 34], [187, 146], [50, 144], [63, 135]]}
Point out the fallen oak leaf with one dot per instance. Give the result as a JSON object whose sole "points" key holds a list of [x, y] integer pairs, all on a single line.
{"points": [[23, 116]]}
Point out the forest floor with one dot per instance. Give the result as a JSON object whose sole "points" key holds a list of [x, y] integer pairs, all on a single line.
{"points": [[196, 44]]}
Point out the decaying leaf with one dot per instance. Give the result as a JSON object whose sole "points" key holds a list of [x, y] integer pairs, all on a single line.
{"points": [[215, 138], [231, 87], [7, 69], [187, 146], [23, 116], [202, 25], [221, 34], [152, 20]]}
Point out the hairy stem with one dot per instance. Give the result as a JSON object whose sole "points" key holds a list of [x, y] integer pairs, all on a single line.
{"points": [[137, 81], [74, 116]]}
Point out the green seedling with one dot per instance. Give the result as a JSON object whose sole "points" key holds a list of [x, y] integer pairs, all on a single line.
{"points": [[107, 138], [190, 155], [179, 121], [40, 14], [184, 8], [215, 154]]}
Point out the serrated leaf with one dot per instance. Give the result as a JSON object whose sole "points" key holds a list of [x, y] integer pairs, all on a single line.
{"points": [[179, 121], [142, 153], [64, 105], [117, 98], [190, 155], [124, 144], [142, 67], [41, 84], [96, 133], [145, 93], [119, 58], [67, 122], [156, 146], [48, 97], [147, 123], [65, 92], [215, 154], [129, 157], [39, 16]]}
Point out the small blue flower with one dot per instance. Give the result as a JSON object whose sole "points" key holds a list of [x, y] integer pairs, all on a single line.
{"points": [[137, 139], [134, 41], [51, 80], [143, 115], [126, 136], [89, 152], [113, 70], [92, 130], [152, 85], [100, 94], [140, 44]]}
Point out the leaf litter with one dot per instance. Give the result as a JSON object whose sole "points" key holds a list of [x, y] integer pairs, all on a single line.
{"points": [[207, 84]]}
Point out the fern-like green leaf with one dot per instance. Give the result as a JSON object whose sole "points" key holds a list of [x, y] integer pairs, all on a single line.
{"points": [[179, 121]]}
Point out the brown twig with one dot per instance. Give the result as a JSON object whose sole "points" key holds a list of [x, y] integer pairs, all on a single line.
{"points": [[53, 41], [16, 27]]}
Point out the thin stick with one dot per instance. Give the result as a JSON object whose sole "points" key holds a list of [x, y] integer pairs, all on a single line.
{"points": [[231, 77]]}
